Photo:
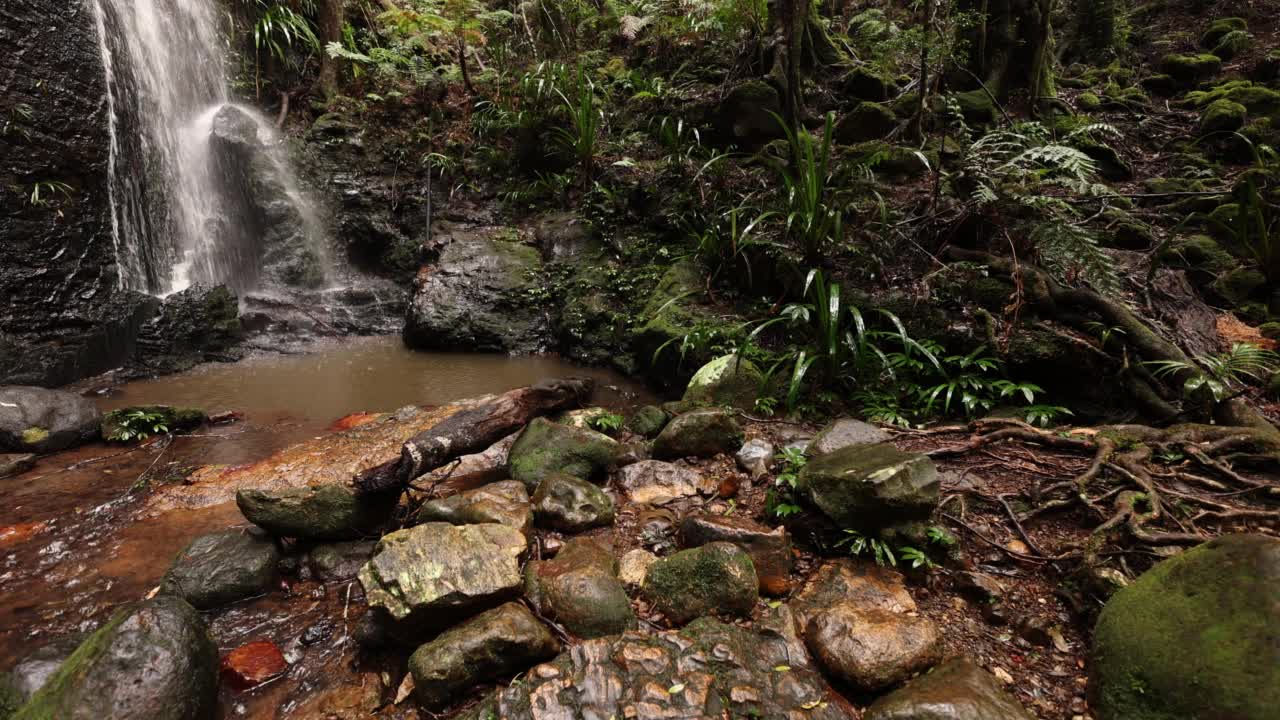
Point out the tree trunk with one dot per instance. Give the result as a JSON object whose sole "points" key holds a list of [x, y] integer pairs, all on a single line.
{"points": [[331, 21], [800, 45], [1093, 38], [1011, 49]]}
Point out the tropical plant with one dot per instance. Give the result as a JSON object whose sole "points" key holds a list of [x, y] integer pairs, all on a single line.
{"points": [[781, 500], [44, 191], [725, 242], [1221, 373], [279, 27], [138, 425], [813, 219], [578, 139], [607, 423]]}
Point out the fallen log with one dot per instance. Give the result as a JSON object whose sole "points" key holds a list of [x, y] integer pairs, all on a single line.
{"points": [[471, 431]]}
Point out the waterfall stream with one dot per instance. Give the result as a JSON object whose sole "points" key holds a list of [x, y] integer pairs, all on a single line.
{"points": [[181, 214]]}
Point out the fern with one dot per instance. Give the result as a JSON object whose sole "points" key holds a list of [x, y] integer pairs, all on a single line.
{"points": [[1070, 253]]}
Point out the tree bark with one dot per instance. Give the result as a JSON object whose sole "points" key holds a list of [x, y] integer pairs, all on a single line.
{"points": [[1011, 47], [331, 21], [472, 430], [799, 46]]}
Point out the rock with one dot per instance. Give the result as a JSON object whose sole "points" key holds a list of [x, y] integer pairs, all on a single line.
{"points": [[585, 418], [1194, 636], [727, 380], [872, 650], [579, 589], [700, 433], [976, 106], [341, 560], [864, 83], [480, 294], [564, 236], [713, 578], [653, 482], [546, 447], [192, 326], [867, 121], [565, 503], [38, 420], [634, 566], [113, 425], [501, 641], [869, 487], [648, 420], [1220, 28], [1223, 116], [676, 307], [221, 568], [152, 660], [844, 433], [980, 585], [770, 549], [16, 463], [252, 664], [955, 690], [505, 503], [746, 115], [439, 568], [657, 529], [705, 671], [31, 673], [318, 512], [754, 457], [859, 583], [1190, 69], [632, 453]]}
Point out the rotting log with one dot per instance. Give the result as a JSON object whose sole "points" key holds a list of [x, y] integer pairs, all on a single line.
{"points": [[471, 431]]}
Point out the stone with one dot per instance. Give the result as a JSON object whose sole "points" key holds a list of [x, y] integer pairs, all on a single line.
{"points": [[191, 326], [699, 433], [867, 121], [1190, 69], [754, 457], [317, 512], [714, 578], [870, 487], [648, 420], [112, 426], [341, 560], [563, 236], [843, 433], [497, 642], [31, 673], [728, 380], [955, 690], [706, 671], [545, 447], [39, 420], [16, 463], [223, 567], [1223, 115], [568, 504], [980, 585], [1194, 636], [505, 502], [864, 83], [745, 117], [252, 664], [438, 568], [769, 548], [872, 650], [1220, 28], [633, 566], [153, 660], [579, 588], [653, 482], [860, 583]]}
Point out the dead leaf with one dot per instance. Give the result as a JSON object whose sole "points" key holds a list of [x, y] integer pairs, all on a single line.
{"points": [[1059, 643], [1002, 675], [405, 689]]}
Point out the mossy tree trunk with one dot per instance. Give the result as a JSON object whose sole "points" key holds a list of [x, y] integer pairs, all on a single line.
{"points": [[1011, 48], [799, 46], [1094, 35], [331, 20]]}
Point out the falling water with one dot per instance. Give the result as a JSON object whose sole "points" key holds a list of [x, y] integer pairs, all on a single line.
{"points": [[173, 221]]}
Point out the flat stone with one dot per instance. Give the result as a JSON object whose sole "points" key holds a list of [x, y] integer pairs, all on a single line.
{"points": [[634, 565], [754, 457], [653, 482], [870, 487], [320, 512], [505, 503], [769, 548], [861, 583], [252, 664], [16, 463], [443, 567], [955, 690], [340, 560], [40, 420], [223, 567], [871, 650], [843, 433], [501, 641], [579, 589], [568, 504], [714, 578], [699, 433]]}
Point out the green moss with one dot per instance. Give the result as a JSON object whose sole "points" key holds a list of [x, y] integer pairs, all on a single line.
{"points": [[1222, 115], [1257, 99], [867, 121], [648, 420], [1191, 69], [1240, 285], [1200, 255], [34, 435], [976, 106], [1088, 102], [46, 703], [1219, 29], [713, 578], [1161, 84]]}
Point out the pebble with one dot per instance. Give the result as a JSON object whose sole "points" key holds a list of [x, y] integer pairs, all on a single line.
{"points": [[317, 632]]}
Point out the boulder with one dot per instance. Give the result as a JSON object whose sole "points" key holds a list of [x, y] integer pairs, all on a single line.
{"points": [[1191, 69], [193, 326], [16, 463], [579, 588], [318, 512], [727, 380], [498, 642], [648, 420], [31, 673], [39, 420], [565, 503], [153, 660], [746, 115], [653, 482], [1194, 636], [505, 503], [843, 433], [705, 671], [438, 568], [114, 424], [634, 566], [754, 457], [717, 577], [870, 487], [769, 548], [871, 650], [340, 560], [955, 690], [1223, 115], [223, 567], [563, 236], [867, 121], [864, 83], [1220, 28], [700, 433], [545, 447], [860, 583]]}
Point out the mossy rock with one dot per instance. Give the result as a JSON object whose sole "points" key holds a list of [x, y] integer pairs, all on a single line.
{"points": [[1200, 255], [1161, 84], [1194, 637], [976, 106], [868, 121], [1222, 115], [648, 420], [1273, 387], [1127, 232], [1219, 29], [1241, 285], [674, 311], [1252, 312], [728, 380], [545, 448], [1111, 165], [1088, 102], [1117, 96], [896, 163], [746, 115], [699, 433], [864, 83], [1270, 330], [320, 512], [1233, 44], [1257, 99], [1191, 69], [174, 419], [871, 487], [714, 578]]}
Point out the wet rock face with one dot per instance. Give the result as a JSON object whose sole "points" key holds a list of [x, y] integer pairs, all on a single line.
{"points": [[653, 482], [497, 642], [221, 568], [868, 487], [648, 420], [956, 690], [579, 589], [442, 567], [863, 584], [32, 672], [1195, 636], [568, 504], [479, 295], [195, 325], [545, 448], [706, 671], [153, 660], [843, 433], [36, 420], [319, 512], [769, 548], [505, 502], [340, 561], [713, 578], [700, 433], [727, 380], [871, 650], [16, 463]]}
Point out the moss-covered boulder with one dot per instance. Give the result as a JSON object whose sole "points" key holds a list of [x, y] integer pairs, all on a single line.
{"points": [[1194, 637], [1223, 115], [976, 106], [1240, 285], [545, 448], [580, 589], [700, 433], [223, 567], [648, 420], [1190, 69], [505, 502], [1257, 99], [318, 512], [675, 309], [569, 504], [1200, 255], [871, 487], [1088, 102], [746, 115], [715, 578], [896, 163], [728, 380], [865, 83], [1220, 28], [867, 121]]}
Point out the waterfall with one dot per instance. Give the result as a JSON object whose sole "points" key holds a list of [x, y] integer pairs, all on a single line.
{"points": [[180, 214]]}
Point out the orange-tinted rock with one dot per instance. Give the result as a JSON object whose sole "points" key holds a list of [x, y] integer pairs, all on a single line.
{"points": [[253, 664], [347, 422]]}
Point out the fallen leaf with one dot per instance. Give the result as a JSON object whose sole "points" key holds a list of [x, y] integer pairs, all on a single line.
{"points": [[405, 689], [1002, 675], [675, 688], [1059, 643]]}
